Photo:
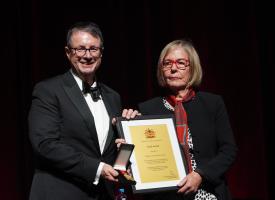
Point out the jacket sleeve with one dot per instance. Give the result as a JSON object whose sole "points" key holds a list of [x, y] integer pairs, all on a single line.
{"points": [[52, 150], [214, 169]]}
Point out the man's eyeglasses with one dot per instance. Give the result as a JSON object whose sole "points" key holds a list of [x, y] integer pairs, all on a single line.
{"points": [[180, 63], [83, 51]]}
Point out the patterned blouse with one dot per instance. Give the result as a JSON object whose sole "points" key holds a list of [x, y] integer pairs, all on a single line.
{"points": [[201, 193]]}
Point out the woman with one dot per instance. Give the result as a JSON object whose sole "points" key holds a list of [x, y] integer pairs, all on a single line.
{"points": [[210, 147]]}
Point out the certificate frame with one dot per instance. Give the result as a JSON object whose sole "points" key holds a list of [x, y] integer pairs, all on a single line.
{"points": [[157, 162]]}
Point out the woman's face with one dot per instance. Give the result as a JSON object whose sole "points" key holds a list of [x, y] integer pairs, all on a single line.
{"points": [[176, 69]]}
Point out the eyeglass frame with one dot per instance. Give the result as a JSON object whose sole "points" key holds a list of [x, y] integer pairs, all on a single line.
{"points": [[94, 49], [176, 62]]}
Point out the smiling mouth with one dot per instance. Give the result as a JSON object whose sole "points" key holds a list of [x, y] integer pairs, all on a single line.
{"points": [[87, 63]]}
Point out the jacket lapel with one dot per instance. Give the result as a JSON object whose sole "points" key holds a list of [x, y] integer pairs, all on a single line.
{"points": [[76, 96], [109, 102]]}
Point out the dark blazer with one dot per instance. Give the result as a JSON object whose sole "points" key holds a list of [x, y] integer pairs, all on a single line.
{"points": [[213, 140], [65, 143]]}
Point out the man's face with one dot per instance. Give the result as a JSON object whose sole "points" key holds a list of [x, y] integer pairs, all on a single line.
{"points": [[84, 53]]}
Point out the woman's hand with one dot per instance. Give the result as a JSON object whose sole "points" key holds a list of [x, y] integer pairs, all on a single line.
{"points": [[190, 183], [128, 114]]}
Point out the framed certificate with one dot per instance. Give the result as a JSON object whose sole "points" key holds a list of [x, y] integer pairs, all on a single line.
{"points": [[157, 163]]}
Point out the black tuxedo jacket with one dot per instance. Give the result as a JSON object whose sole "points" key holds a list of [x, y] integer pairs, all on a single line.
{"points": [[213, 140], [65, 143]]}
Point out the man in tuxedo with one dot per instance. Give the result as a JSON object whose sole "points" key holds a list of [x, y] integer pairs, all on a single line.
{"points": [[70, 125]]}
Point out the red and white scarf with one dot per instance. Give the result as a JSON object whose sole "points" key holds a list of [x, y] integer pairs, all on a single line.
{"points": [[181, 121]]}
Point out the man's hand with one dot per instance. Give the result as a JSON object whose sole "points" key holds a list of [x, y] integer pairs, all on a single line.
{"points": [[190, 183], [119, 141], [109, 173]]}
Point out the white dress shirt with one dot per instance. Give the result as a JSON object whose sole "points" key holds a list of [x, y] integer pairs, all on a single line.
{"points": [[101, 119]]}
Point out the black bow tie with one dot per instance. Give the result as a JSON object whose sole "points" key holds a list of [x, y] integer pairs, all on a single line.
{"points": [[93, 91]]}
